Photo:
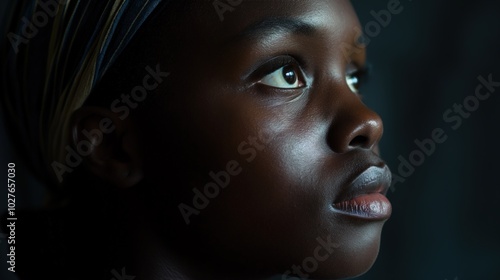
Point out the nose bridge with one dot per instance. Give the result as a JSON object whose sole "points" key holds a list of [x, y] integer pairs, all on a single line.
{"points": [[354, 125]]}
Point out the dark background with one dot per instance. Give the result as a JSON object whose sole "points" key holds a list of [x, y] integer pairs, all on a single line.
{"points": [[446, 218]]}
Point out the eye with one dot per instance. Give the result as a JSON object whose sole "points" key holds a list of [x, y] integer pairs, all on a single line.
{"points": [[356, 78], [288, 76], [354, 82]]}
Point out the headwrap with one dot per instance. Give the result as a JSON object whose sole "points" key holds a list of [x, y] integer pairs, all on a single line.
{"points": [[55, 53]]}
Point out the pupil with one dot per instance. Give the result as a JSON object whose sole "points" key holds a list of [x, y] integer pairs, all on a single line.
{"points": [[289, 74]]}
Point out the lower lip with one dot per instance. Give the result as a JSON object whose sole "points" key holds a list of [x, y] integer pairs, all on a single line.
{"points": [[369, 206]]}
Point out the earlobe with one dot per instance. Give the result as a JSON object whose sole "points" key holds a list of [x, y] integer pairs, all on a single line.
{"points": [[108, 145]]}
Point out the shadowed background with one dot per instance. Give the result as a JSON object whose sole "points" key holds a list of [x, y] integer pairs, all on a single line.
{"points": [[425, 59], [445, 222]]}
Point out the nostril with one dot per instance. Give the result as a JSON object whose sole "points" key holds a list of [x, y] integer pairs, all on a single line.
{"points": [[358, 141]]}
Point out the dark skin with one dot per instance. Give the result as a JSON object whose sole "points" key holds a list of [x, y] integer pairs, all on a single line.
{"points": [[297, 136]]}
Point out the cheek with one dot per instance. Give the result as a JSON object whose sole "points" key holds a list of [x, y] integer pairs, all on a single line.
{"points": [[274, 206]]}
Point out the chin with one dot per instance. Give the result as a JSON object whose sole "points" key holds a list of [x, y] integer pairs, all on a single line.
{"points": [[356, 253]]}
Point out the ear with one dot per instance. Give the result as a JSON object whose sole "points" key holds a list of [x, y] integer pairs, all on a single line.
{"points": [[108, 145]]}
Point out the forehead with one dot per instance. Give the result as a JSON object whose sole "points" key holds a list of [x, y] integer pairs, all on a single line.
{"points": [[220, 20]]}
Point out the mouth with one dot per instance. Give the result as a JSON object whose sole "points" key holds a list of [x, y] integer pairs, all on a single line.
{"points": [[365, 196]]}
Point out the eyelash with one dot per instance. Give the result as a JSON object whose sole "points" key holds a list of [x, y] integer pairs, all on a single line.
{"points": [[275, 64]]}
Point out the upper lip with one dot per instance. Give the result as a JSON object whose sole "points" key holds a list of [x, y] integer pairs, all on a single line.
{"points": [[374, 179]]}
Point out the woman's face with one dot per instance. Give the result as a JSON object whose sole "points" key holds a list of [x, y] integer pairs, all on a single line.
{"points": [[264, 141]]}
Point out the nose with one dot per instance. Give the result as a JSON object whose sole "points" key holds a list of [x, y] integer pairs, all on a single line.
{"points": [[355, 127]]}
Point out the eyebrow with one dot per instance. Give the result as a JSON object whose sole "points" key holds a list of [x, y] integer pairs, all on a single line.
{"points": [[269, 26]]}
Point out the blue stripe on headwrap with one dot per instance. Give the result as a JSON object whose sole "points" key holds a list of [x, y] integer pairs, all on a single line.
{"points": [[122, 36]]}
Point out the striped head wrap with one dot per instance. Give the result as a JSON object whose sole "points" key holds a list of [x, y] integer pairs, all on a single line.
{"points": [[55, 53]]}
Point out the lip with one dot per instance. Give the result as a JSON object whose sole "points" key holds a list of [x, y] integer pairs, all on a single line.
{"points": [[365, 196]]}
